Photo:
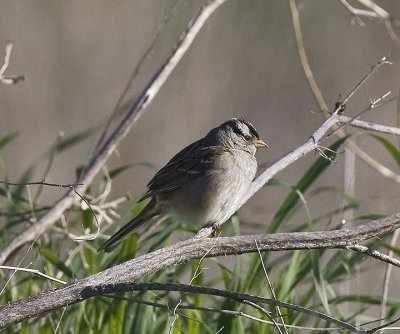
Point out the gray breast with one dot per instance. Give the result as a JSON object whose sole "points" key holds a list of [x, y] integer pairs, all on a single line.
{"points": [[214, 197]]}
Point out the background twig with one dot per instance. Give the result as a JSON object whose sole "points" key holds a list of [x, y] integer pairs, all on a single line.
{"points": [[9, 79]]}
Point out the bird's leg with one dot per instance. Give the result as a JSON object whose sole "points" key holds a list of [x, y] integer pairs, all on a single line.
{"points": [[208, 231], [214, 230]]}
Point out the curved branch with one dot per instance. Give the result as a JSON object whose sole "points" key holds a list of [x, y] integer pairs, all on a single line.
{"points": [[239, 297], [184, 251]]}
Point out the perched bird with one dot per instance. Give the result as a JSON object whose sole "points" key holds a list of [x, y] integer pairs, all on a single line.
{"points": [[204, 183]]}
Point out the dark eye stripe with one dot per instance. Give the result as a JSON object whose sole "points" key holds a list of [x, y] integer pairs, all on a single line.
{"points": [[237, 130]]}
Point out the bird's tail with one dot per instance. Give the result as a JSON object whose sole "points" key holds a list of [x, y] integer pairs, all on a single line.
{"points": [[149, 211]]}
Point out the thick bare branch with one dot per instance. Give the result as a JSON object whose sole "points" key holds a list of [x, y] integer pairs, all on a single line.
{"points": [[196, 248]]}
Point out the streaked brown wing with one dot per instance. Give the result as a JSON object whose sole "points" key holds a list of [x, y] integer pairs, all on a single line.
{"points": [[192, 162]]}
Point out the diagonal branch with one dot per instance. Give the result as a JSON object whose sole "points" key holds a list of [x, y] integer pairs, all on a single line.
{"points": [[109, 146], [195, 248]]}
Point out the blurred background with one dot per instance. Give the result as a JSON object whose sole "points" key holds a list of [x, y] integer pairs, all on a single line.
{"points": [[77, 57]]}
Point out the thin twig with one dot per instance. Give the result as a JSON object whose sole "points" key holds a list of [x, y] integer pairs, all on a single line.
{"points": [[369, 126], [373, 253], [57, 185], [375, 12], [358, 12], [388, 274], [9, 79], [197, 272], [18, 266], [304, 59], [384, 16], [397, 112], [171, 326], [307, 68], [374, 104], [384, 326], [88, 236], [34, 271], [271, 288], [265, 312], [60, 320], [50, 161], [372, 71]]}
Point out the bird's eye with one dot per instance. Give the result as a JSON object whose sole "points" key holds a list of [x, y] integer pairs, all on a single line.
{"points": [[247, 137]]}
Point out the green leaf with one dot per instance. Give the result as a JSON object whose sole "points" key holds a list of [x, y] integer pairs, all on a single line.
{"points": [[290, 277], [8, 138], [351, 202], [87, 219], [319, 279], [109, 175], [74, 139], [50, 256], [395, 152], [226, 321], [17, 191], [197, 278], [288, 207], [395, 250], [118, 170]]}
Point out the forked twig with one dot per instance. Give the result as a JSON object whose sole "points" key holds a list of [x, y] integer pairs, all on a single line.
{"points": [[373, 105], [43, 183], [72, 186], [9, 79]]}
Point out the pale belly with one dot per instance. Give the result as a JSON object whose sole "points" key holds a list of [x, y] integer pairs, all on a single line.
{"points": [[212, 199]]}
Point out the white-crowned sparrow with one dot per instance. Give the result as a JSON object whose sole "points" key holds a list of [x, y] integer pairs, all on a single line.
{"points": [[204, 183]]}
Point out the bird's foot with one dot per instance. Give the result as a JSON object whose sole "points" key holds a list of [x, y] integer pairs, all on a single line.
{"points": [[208, 231]]}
